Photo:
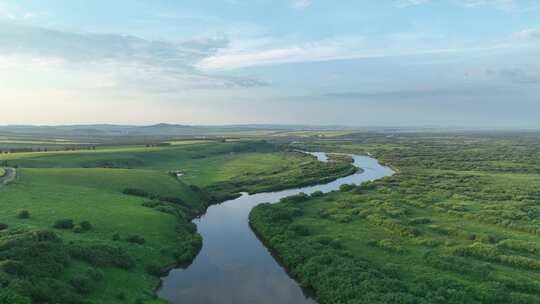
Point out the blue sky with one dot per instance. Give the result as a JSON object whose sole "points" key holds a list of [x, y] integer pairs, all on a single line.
{"points": [[369, 63]]}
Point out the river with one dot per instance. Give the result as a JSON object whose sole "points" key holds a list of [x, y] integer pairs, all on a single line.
{"points": [[233, 266]]}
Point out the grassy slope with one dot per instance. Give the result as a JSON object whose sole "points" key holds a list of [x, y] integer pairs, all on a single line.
{"points": [[95, 195], [469, 215], [56, 185]]}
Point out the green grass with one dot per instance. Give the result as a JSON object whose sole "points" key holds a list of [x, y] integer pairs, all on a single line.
{"points": [[89, 185], [457, 224], [231, 167], [2, 172], [52, 194]]}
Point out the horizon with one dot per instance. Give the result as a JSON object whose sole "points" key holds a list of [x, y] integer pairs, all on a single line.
{"points": [[464, 64], [265, 126]]}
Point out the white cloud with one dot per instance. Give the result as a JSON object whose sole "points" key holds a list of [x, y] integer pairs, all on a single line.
{"points": [[302, 4], [15, 13], [407, 3], [532, 33], [344, 48], [114, 60], [499, 4]]}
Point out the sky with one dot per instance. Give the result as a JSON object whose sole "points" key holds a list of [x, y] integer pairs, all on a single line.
{"points": [[461, 63]]}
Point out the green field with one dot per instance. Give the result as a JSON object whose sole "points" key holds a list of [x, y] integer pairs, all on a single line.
{"points": [[459, 223], [139, 214]]}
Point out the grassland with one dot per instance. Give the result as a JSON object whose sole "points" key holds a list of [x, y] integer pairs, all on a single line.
{"points": [[100, 226], [459, 223]]}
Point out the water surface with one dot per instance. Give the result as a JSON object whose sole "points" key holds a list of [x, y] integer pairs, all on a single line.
{"points": [[233, 266]]}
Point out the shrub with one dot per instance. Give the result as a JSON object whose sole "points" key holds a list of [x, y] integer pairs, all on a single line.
{"points": [[300, 230], [121, 295], [317, 194], [297, 198], [136, 239], [95, 274], [13, 267], [389, 245], [85, 225], [346, 187], [116, 237], [82, 284], [64, 224], [23, 214], [103, 256], [154, 270], [9, 296], [195, 188], [78, 229], [420, 221], [3, 226]]}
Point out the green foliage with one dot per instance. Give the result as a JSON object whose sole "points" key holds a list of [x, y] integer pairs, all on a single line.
{"points": [[23, 214], [9, 296], [86, 225], [64, 224], [458, 223], [86, 187], [103, 256], [136, 239]]}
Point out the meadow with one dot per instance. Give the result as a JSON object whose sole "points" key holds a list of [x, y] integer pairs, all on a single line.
{"points": [[458, 223], [101, 225]]}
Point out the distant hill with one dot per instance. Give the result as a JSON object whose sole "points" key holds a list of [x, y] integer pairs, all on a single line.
{"points": [[162, 129]]}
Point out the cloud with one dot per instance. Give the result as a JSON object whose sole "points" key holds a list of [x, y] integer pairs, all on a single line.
{"points": [[301, 4], [133, 60], [516, 75], [423, 94], [407, 3], [15, 13], [499, 4], [344, 48], [532, 33]]}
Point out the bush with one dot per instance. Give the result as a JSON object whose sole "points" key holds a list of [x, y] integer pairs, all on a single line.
{"points": [[64, 224], [121, 295], [116, 237], [82, 284], [154, 270], [317, 194], [85, 225], [103, 256], [95, 274], [300, 230], [8, 296], [78, 229], [346, 187], [3, 226], [11, 267], [136, 239], [23, 214]]}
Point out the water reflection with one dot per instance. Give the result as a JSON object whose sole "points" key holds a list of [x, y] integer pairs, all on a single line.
{"points": [[233, 265]]}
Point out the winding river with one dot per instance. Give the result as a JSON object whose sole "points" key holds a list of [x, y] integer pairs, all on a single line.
{"points": [[233, 266]]}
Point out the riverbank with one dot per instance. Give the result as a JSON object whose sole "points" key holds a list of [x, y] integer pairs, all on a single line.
{"points": [[454, 226], [148, 230], [7, 176], [242, 267]]}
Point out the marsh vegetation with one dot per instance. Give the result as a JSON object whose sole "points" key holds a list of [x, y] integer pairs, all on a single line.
{"points": [[459, 223]]}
